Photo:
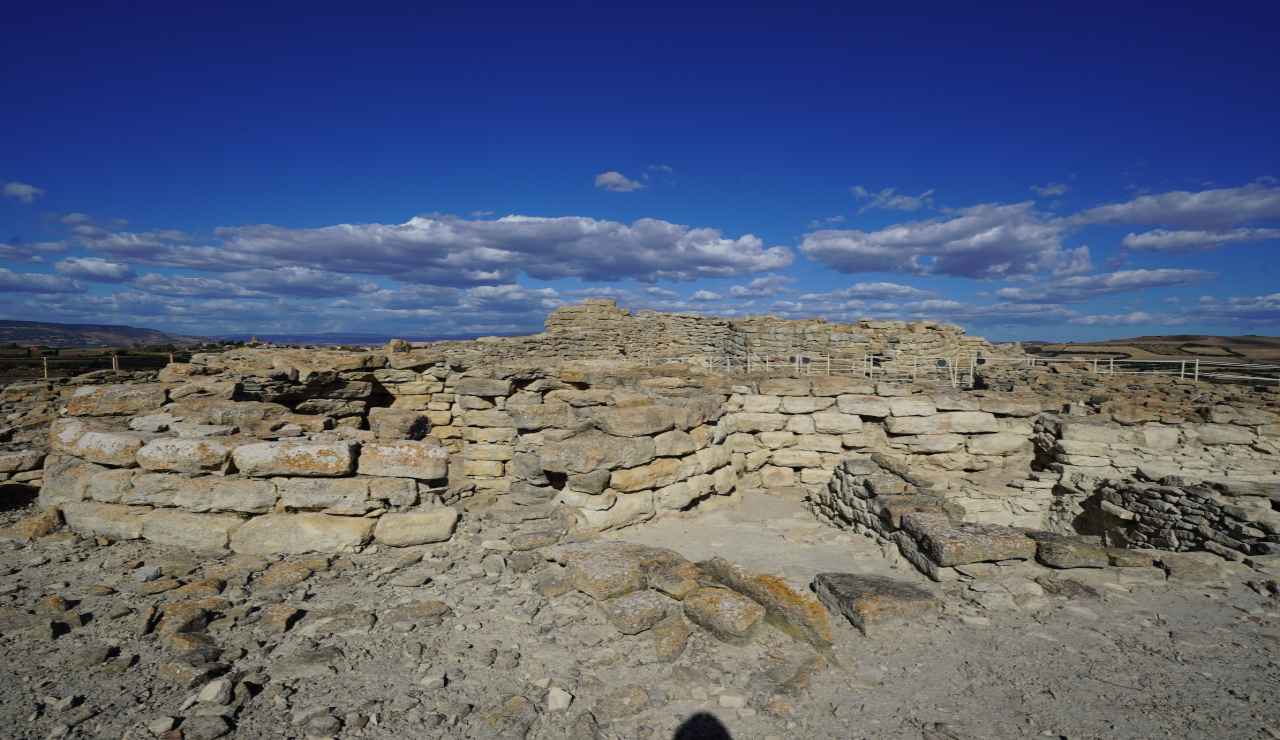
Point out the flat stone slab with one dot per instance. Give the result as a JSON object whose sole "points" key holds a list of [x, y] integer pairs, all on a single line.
{"points": [[870, 602], [1071, 552], [950, 543]]}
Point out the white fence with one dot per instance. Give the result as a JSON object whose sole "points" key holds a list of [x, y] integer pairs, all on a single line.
{"points": [[962, 368]]}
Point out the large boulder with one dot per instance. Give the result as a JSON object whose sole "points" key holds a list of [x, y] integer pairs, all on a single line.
{"points": [[415, 527], [423, 459], [184, 455], [263, 459], [293, 534], [870, 602], [116, 400]]}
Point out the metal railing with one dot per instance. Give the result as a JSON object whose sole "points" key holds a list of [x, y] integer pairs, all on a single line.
{"points": [[962, 368]]}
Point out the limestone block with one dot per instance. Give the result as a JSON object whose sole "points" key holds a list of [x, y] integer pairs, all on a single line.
{"points": [[950, 543], [1222, 434], [487, 387], [753, 422], [1002, 443], [872, 407], [497, 452], [772, 476], [543, 415], [755, 404], [784, 387], [710, 458], [422, 459], [389, 423], [295, 458], [109, 486], [803, 613], [488, 435], [796, 458], [593, 450], [483, 468], [634, 421], [217, 493], [819, 442], [184, 455], [835, 385], [415, 527], [726, 614], [674, 443], [815, 476], [801, 424], [118, 449], [661, 472], [723, 480], [489, 418], [200, 532], [912, 406], [342, 496], [805, 404], [152, 489], [631, 508], [116, 400], [17, 461], [960, 422], [293, 534], [835, 422], [1009, 406], [112, 521], [872, 602], [956, 402], [776, 440], [931, 443]]}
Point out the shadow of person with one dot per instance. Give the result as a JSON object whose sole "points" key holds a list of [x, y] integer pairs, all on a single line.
{"points": [[702, 726]]}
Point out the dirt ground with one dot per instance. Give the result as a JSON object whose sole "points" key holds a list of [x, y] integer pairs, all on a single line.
{"points": [[455, 641]]}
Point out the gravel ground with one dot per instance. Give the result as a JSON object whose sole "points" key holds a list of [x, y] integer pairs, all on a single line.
{"points": [[445, 641]]}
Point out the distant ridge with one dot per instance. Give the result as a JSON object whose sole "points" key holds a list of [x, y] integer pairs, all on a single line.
{"points": [[327, 338], [50, 334]]}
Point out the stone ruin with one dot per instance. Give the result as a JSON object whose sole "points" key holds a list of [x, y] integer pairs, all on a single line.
{"points": [[543, 443]]}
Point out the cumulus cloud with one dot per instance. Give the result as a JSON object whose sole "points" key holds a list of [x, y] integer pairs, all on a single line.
{"points": [[704, 295], [94, 269], [761, 286], [1050, 190], [1171, 240], [31, 251], [1083, 287], [22, 192], [186, 286], [617, 182], [890, 199], [300, 281], [1205, 208], [870, 291], [1245, 309], [984, 241], [454, 251], [36, 282]]}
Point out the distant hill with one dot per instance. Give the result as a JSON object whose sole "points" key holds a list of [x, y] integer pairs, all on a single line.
{"points": [[50, 334], [349, 338], [1248, 348]]}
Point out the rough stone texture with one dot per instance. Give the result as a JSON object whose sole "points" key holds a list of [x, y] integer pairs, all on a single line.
{"points": [[955, 543], [1068, 552], [416, 527], [184, 455], [295, 458], [726, 614], [418, 459], [872, 602], [116, 400], [800, 613], [200, 532], [636, 612], [112, 521], [301, 533]]}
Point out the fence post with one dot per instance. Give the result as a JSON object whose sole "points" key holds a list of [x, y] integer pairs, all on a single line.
{"points": [[1112, 360], [1197, 370], [45, 360], [170, 358], [828, 363], [1182, 370], [1095, 366], [115, 362]]}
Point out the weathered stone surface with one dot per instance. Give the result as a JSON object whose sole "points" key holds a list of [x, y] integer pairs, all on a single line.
{"points": [[342, 496], [634, 421], [1069, 552], [871, 602], [873, 407], [16, 461], [215, 493], [607, 570], [1005, 406], [543, 415], [388, 423], [835, 422], [415, 527], [670, 636], [674, 443], [1000, 443], [660, 472], [726, 614], [758, 422], [636, 612], [488, 387], [950, 543], [118, 449], [423, 459], [112, 521], [295, 458], [785, 387], [116, 400], [290, 534], [912, 406], [200, 532], [628, 509], [799, 612], [796, 458], [960, 422], [590, 451], [184, 455]]}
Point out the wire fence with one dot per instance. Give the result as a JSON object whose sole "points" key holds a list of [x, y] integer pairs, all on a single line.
{"points": [[963, 369]]}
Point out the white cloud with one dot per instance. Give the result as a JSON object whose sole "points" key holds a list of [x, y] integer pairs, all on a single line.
{"points": [[761, 286], [822, 223], [890, 200], [30, 252], [871, 291], [617, 182], [76, 219], [454, 251], [1074, 262], [22, 192], [36, 282], [1128, 319], [990, 240], [95, 269], [1203, 209], [704, 295], [1083, 287], [300, 281], [1050, 190], [1165, 239], [1260, 309]]}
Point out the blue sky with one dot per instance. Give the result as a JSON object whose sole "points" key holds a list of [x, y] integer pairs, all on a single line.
{"points": [[1069, 172]]}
